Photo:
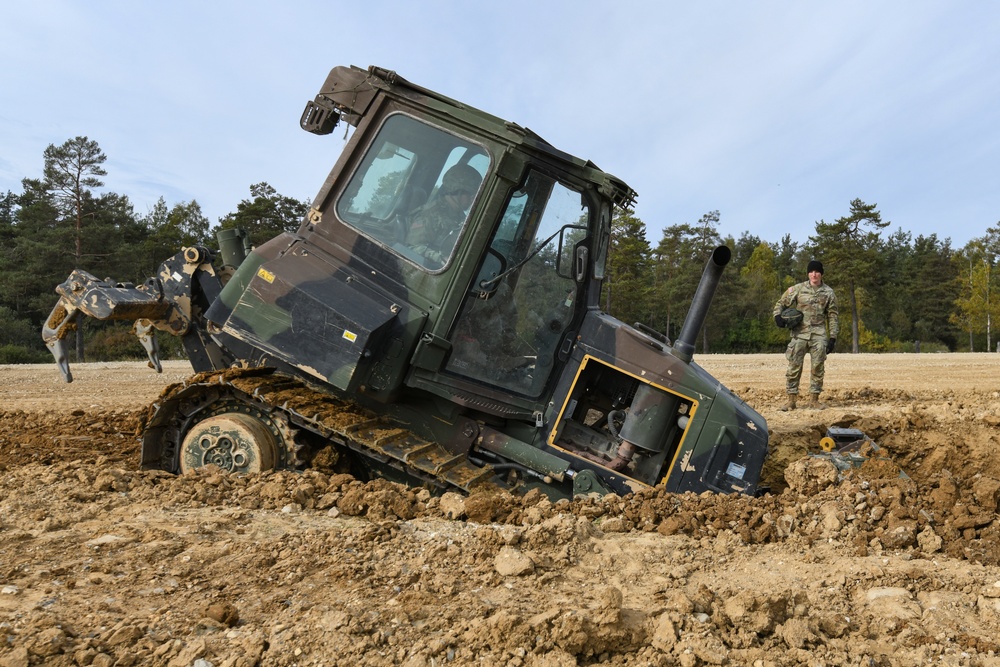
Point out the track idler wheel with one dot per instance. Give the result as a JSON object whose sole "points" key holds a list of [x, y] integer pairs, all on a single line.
{"points": [[234, 441]]}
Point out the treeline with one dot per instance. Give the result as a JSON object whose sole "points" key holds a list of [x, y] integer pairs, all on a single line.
{"points": [[58, 223], [896, 293]]}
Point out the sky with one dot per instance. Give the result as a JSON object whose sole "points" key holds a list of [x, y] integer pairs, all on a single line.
{"points": [[776, 113]]}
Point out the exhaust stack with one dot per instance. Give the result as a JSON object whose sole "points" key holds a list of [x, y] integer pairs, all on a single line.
{"points": [[684, 346]]}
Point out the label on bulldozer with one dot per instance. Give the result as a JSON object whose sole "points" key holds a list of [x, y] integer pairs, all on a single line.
{"points": [[735, 470]]}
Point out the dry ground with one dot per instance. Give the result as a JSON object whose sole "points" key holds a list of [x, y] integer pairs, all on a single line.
{"points": [[101, 564]]}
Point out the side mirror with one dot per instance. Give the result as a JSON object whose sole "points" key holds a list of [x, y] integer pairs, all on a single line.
{"points": [[489, 273], [570, 262]]}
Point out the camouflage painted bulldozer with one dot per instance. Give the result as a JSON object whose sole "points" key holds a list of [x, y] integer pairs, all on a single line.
{"points": [[434, 320]]}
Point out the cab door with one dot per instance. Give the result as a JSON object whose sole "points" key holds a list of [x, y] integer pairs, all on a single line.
{"points": [[523, 304]]}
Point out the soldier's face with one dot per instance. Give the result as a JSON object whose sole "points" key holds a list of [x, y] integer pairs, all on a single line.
{"points": [[815, 278], [462, 200]]}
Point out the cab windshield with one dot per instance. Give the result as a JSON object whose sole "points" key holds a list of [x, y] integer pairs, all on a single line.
{"points": [[413, 190]]}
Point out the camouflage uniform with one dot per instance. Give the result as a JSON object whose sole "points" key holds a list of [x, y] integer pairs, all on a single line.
{"points": [[434, 231], [820, 320]]}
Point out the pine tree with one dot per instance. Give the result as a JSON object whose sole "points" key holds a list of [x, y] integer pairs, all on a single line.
{"points": [[760, 289], [170, 230], [71, 171], [266, 215], [849, 250], [627, 276]]}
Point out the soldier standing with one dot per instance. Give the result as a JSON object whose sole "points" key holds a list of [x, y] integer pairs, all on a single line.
{"points": [[814, 328]]}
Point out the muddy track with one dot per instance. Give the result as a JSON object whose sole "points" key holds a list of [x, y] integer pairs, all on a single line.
{"points": [[302, 409]]}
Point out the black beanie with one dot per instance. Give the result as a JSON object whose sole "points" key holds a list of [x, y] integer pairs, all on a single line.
{"points": [[815, 265]]}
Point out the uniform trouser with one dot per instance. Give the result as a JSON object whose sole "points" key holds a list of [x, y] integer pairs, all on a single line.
{"points": [[796, 355]]}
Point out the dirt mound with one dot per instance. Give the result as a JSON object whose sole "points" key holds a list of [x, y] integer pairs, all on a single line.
{"points": [[104, 564]]}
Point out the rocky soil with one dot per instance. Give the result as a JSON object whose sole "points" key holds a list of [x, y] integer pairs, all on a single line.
{"points": [[102, 564]]}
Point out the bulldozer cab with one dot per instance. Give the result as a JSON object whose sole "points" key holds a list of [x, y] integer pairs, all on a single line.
{"points": [[481, 226], [413, 193]]}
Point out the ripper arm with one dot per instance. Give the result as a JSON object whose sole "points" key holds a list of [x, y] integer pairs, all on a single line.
{"points": [[169, 301]]}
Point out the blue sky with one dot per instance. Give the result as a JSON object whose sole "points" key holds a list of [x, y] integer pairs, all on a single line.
{"points": [[777, 113]]}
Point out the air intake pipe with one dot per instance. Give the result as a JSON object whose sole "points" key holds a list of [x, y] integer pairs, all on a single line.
{"points": [[684, 346]]}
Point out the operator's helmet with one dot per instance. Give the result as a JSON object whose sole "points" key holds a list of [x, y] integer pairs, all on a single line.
{"points": [[792, 317], [460, 178]]}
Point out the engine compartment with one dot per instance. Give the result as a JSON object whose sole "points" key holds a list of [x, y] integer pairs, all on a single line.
{"points": [[623, 423]]}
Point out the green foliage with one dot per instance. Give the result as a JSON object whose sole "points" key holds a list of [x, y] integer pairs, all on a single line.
{"points": [[679, 261], [114, 342], [168, 230], [850, 247], [977, 307], [979, 302], [71, 170], [755, 335], [266, 215], [19, 354], [674, 279], [870, 341], [896, 292], [759, 275], [912, 296], [18, 332], [22, 343], [760, 288], [37, 257], [627, 283]]}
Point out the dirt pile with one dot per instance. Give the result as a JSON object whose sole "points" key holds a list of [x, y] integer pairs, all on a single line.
{"points": [[103, 564]]}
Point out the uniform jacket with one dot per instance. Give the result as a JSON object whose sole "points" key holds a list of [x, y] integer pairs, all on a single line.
{"points": [[820, 316]]}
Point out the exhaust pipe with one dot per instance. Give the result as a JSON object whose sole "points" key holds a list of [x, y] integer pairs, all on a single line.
{"points": [[684, 346], [234, 246]]}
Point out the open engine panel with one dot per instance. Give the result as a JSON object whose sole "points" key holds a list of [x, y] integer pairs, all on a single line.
{"points": [[623, 422]]}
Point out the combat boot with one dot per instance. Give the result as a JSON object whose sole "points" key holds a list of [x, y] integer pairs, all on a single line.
{"points": [[814, 402], [790, 405]]}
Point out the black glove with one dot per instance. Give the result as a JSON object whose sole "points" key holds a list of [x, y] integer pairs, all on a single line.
{"points": [[779, 321], [830, 344]]}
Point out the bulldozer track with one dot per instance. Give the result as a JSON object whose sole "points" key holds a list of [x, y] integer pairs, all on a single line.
{"points": [[296, 406]]}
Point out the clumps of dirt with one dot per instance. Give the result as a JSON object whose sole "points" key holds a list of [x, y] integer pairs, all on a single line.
{"points": [[870, 507], [52, 436], [109, 565], [103, 564]]}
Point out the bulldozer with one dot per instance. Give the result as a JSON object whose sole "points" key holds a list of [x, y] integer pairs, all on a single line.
{"points": [[435, 320]]}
